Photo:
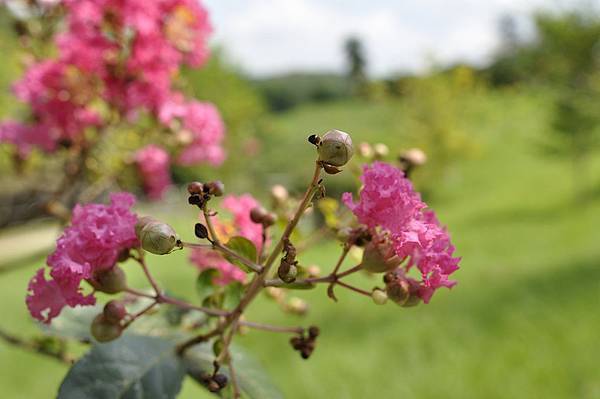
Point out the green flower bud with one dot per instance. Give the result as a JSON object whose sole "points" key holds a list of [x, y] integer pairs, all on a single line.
{"points": [[401, 289], [156, 237], [335, 148], [379, 256], [379, 296], [110, 281], [104, 330]]}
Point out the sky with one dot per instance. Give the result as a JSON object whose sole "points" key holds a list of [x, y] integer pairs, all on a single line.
{"points": [[265, 37]]}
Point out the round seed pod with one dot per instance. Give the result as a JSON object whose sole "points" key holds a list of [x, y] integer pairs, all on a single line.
{"points": [[114, 311], [336, 148], [379, 296], [104, 330], [110, 281], [156, 237]]}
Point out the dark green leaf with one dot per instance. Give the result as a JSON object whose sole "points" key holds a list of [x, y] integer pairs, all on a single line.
{"points": [[244, 247], [132, 367], [252, 379]]}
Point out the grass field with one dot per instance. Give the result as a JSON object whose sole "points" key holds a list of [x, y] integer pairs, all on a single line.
{"points": [[522, 323]]}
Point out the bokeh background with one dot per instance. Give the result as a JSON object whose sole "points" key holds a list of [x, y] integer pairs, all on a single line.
{"points": [[503, 96]]}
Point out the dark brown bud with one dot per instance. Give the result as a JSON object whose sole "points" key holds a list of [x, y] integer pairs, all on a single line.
{"points": [[216, 188], [195, 199], [220, 379], [314, 139], [257, 214], [269, 219], [213, 386], [114, 311], [195, 188], [200, 231], [313, 332]]}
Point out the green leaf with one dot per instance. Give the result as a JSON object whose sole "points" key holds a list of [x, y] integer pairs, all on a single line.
{"points": [[132, 367], [204, 283], [299, 286], [244, 247], [233, 295], [252, 379]]}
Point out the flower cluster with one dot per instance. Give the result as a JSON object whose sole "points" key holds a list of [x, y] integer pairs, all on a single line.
{"points": [[240, 225], [124, 53], [153, 165], [389, 206], [98, 234]]}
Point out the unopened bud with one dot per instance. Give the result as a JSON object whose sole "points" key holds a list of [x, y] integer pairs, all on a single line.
{"points": [[335, 148], [275, 293], [379, 256], [414, 157], [104, 330], [297, 306], [216, 188], [110, 281], [156, 237], [313, 271], [269, 219], [114, 311], [379, 296], [200, 231], [401, 289], [221, 380], [287, 273], [195, 188], [380, 150], [279, 194], [257, 214], [365, 150]]}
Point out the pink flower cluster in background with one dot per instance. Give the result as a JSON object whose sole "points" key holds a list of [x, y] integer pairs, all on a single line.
{"points": [[125, 53], [97, 235], [389, 203], [153, 165], [240, 225]]}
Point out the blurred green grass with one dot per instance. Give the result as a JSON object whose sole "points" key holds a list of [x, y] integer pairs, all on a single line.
{"points": [[522, 323]]}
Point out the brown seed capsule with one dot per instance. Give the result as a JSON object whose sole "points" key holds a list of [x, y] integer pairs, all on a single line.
{"points": [[257, 214], [220, 379], [114, 311], [335, 148], [200, 231], [104, 330], [216, 188], [269, 219], [313, 332], [195, 188], [403, 290]]}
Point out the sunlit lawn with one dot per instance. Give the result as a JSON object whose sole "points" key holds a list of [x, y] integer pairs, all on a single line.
{"points": [[522, 323]]}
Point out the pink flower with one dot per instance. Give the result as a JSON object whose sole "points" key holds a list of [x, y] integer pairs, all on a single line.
{"points": [[388, 202], [93, 241], [203, 121], [240, 225], [26, 137], [153, 164]]}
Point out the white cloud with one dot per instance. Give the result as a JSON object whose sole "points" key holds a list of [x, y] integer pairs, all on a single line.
{"points": [[271, 36]]}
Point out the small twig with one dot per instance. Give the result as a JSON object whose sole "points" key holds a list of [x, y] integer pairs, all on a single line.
{"points": [[33, 347], [355, 289], [209, 225], [271, 328], [151, 279], [134, 317], [232, 375], [181, 348], [217, 246], [185, 305]]}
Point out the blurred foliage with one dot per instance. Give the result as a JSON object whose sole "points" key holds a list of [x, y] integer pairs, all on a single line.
{"points": [[287, 91]]}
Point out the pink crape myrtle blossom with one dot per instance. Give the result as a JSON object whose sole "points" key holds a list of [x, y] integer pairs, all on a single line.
{"points": [[125, 53], [388, 202], [153, 165], [240, 225], [26, 137], [97, 235]]}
